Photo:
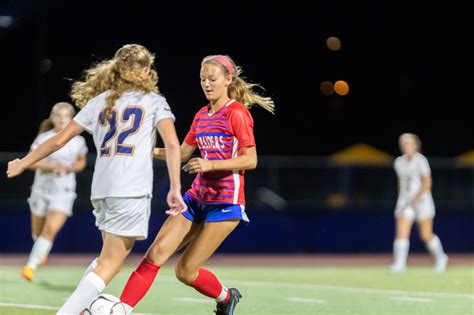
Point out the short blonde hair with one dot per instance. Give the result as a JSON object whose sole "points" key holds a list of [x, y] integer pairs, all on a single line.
{"points": [[47, 124], [412, 136]]}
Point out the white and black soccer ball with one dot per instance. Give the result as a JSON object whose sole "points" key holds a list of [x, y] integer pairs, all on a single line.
{"points": [[105, 304]]}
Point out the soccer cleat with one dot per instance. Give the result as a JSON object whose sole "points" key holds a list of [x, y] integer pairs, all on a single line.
{"points": [[227, 308], [397, 268], [28, 273], [441, 263]]}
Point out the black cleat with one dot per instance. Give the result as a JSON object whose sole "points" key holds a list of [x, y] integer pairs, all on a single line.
{"points": [[227, 308]]}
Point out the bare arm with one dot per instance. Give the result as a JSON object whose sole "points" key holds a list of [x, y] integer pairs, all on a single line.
{"points": [[186, 152], [80, 164], [173, 162], [51, 145], [172, 152], [77, 167], [426, 184], [43, 166], [246, 161]]}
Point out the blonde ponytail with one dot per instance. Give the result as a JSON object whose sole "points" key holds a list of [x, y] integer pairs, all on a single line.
{"points": [[45, 125], [48, 124]]}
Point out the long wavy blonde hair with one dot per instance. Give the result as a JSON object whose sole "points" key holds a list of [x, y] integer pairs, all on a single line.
{"points": [[123, 72], [240, 90]]}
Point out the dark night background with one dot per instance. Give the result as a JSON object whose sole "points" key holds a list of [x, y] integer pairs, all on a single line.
{"points": [[408, 69]]}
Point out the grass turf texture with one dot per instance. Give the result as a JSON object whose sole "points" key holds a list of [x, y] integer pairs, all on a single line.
{"points": [[265, 290]]}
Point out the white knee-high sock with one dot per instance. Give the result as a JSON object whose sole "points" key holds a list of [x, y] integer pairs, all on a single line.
{"points": [[40, 249], [89, 287], [435, 248], [400, 251], [91, 267]]}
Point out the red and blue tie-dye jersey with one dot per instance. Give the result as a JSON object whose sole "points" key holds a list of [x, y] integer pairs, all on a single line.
{"points": [[221, 136]]}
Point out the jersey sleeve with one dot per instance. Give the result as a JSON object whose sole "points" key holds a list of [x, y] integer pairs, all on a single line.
{"points": [[86, 117], [424, 167], [82, 146], [38, 140], [163, 110], [396, 165], [191, 135], [241, 123]]}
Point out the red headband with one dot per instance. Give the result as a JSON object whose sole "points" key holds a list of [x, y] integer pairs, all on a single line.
{"points": [[223, 60]]}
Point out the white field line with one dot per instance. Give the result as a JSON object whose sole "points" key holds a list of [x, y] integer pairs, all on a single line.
{"points": [[271, 284], [44, 307], [411, 299], [32, 306]]}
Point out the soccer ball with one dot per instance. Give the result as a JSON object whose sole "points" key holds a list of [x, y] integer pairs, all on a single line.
{"points": [[105, 304]]}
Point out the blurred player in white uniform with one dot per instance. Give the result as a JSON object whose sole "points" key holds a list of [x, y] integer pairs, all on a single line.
{"points": [[415, 202], [122, 110], [53, 191]]}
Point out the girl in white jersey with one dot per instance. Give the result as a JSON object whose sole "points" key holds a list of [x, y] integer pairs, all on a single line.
{"points": [[53, 191], [414, 203], [122, 110]]}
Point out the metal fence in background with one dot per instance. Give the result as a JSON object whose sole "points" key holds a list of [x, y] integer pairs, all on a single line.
{"points": [[292, 183]]}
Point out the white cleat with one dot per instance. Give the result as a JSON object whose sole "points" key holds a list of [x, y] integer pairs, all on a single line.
{"points": [[441, 263], [397, 268]]}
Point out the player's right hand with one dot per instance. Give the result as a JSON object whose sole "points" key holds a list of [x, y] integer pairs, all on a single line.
{"points": [[14, 168], [62, 169], [175, 203]]}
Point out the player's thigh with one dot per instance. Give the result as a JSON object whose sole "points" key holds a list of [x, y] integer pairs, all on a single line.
{"points": [[54, 222], [205, 244], [171, 235], [403, 227], [195, 230]]}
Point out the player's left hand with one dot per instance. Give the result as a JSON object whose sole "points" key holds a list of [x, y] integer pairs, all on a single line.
{"points": [[14, 168], [196, 165], [176, 203], [414, 202]]}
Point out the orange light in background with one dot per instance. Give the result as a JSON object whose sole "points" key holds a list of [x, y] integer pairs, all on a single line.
{"points": [[327, 88], [333, 43], [341, 87]]}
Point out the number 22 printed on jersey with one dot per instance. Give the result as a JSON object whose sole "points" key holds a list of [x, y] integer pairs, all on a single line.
{"points": [[132, 115]]}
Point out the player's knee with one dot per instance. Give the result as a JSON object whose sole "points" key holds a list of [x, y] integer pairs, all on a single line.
{"points": [[157, 254], [48, 233], [185, 274], [105, 263], [426, 236]]}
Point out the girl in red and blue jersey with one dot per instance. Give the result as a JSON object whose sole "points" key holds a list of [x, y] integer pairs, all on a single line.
{"points": [[223, 132]]}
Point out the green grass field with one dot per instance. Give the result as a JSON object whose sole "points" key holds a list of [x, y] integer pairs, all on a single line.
{"points": [[266, 290]]}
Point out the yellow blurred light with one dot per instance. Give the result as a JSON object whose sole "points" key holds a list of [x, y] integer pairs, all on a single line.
{"points": [[333, 43], [327, 88], [341, 87]]}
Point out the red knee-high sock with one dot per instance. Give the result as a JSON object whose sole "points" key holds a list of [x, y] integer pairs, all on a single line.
{"points": [[139, 282], [207, 284]]}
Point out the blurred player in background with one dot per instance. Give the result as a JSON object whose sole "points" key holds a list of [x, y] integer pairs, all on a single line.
{"points": [[415, 202], [122, 110], [223, 132], [54, 188]]}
